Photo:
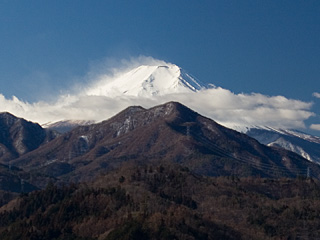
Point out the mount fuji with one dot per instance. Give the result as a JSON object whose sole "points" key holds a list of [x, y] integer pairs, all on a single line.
{"points": [[166, 79], [146, 81], [150, 83]]}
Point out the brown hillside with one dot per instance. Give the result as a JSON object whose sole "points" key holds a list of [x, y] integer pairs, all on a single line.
{"points": [[169, 132]]}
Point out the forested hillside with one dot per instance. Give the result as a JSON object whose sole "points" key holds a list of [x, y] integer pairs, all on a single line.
{"points": [[167, 202]]}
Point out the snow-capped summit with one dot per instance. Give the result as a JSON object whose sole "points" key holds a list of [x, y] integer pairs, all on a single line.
{"points": [[146, 81]]}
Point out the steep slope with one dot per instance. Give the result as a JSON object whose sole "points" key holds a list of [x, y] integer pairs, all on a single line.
{"points": [[14, 180], [18, 136], [169, 132], [147, 81], [303, 144]]}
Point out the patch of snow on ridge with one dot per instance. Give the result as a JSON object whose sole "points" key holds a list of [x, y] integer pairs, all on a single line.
{"points": [[146, 81], [301, 143], [281, 142], [287, 132], [296, 133]]}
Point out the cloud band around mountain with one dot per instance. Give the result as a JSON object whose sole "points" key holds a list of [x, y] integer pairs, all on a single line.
{"points": [[220, 104]]}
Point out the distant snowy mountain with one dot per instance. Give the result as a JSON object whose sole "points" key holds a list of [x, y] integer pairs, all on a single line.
{"points": [[304, 144], [147, 81], [66, 125]]}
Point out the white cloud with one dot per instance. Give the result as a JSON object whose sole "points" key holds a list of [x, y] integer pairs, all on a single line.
{"points": [[219, 104], [315, 127], [316, 94], [253, 109]]}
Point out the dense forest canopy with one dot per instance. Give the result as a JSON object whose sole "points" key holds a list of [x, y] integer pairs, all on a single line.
{"points": [[167, 202]]}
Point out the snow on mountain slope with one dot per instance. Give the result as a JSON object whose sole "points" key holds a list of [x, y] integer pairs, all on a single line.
{"points": [[298, 134], [301, 143], [160, 79], [286, 132], [66, 125], [146, 81]]}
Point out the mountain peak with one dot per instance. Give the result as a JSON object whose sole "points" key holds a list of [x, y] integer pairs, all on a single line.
{"points": [[8, 120], [19, 136], [167, 110], [168, 132], [131, 110], [175, 108], [146, 81], [7, 115]]}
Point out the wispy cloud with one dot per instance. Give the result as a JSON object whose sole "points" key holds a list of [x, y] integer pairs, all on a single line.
{"points": [[315, 127], [316, 94], [219, 104]]}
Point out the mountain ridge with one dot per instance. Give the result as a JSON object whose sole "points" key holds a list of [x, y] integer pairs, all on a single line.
{"points": [[301, 143], [164, 79], [19, 136], [168, 132]]}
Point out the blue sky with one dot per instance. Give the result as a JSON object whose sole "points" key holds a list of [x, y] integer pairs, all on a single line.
{"points": [[268, 47]]}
